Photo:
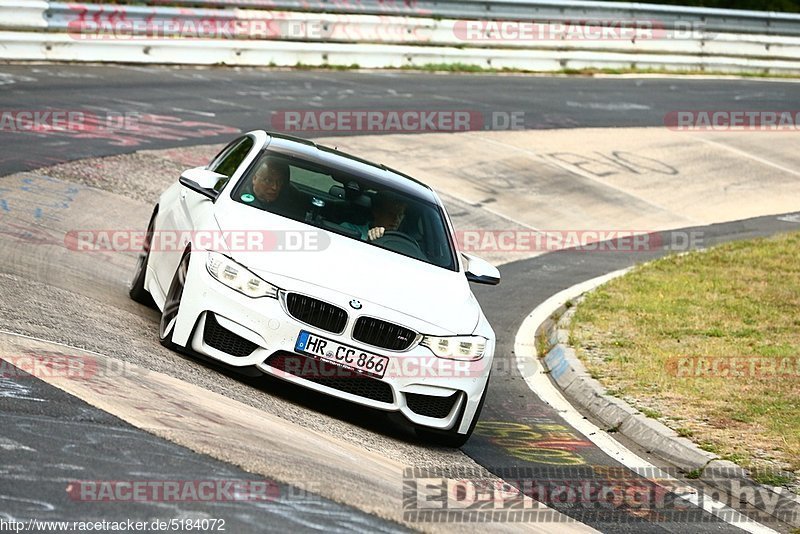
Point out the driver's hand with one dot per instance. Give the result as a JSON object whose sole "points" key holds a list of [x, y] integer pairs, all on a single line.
{"points": [[375, 233]]}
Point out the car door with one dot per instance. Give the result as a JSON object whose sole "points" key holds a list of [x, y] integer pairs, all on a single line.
{"points": [[193, 212]]}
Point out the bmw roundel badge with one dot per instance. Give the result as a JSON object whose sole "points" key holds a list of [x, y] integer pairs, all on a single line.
{"points": [[355, 304]]}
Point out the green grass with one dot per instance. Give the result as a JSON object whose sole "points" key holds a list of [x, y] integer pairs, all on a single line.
{"points": [[694, 474], [709, 446], [542, 345], [771, 478], [665, 333], [303, 66], [652, 414], [467, 68]]}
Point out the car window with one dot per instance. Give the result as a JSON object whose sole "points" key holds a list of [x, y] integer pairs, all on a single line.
{"points": [[312, 181], [349, 206], [229, 159]]}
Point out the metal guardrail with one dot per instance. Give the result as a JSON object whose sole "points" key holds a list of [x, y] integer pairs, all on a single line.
{"points": [[713, 20], [25, 14], [670, 17], [27, 46], [256, 37], [92, 22]]}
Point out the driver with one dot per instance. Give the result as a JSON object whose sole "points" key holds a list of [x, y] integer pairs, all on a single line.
{"points": [[386, 214]]}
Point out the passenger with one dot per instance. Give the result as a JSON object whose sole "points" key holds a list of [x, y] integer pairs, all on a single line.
{"points": [[272, 191]]}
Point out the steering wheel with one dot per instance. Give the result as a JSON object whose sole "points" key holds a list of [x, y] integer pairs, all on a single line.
{"points": [[403, 243], [400, 235]]}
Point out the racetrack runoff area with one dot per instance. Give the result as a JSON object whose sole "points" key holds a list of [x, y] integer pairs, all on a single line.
{"points": [[584, 185]]}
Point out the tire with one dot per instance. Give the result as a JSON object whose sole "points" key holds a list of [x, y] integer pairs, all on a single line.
{"points": [[172, 303], [137, 290], [451, 438]]}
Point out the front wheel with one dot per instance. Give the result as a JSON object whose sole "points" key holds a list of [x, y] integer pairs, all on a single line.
{"points": [[137, 291], [169, 316], [451, 438]]}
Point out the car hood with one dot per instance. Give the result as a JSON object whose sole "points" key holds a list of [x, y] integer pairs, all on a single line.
{"points": [[355, 270]]}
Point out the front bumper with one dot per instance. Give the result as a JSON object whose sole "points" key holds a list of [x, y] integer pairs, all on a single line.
{"points": [[419, 384]]}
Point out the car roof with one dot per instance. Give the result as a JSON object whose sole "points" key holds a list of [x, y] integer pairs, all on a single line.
{"points": [[377, 173]]}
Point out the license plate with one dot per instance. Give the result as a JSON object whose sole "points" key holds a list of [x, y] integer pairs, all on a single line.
{"points": [[326, 349]]}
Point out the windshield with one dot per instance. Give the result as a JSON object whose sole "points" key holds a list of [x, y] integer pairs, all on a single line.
{"points": [[355, 207]]}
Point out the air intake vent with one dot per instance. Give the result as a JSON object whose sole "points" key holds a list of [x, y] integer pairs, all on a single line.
{"points": [[430, 406], [224, 340], [382, 334], [316, 312]]}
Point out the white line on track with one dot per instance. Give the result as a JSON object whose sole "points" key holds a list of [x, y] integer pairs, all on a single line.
{"points": [[195, 112], [231, 104], [41, 340], [750, 156], [472, 204], [580, 172]]}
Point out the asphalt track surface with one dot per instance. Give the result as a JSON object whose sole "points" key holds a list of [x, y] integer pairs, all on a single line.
{"points": [[53, 445], [207, 106], [180, 107]]}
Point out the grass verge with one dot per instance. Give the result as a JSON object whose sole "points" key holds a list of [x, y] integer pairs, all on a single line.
{"points": [[468, 68], [709, 343]]}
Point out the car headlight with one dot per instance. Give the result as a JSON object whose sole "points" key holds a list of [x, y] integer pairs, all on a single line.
{"points": [[467, 348], [238, 277]]}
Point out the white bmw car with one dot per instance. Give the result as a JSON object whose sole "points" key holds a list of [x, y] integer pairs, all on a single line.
{"points": [[268, 260]]}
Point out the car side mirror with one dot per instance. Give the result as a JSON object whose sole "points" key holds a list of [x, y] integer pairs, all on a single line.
{"points": [[480, 271], [202, 181]]}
